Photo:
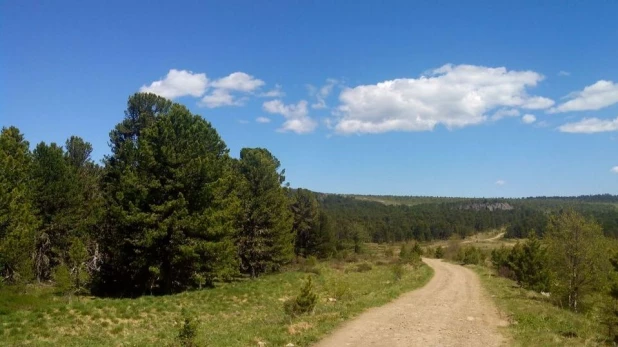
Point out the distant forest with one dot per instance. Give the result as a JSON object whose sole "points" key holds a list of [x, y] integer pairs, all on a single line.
{"points": [[397, 218], [169, 209]]}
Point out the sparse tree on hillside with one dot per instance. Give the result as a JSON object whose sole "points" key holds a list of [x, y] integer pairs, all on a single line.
{"points": [[265, 241], [575, 248]]}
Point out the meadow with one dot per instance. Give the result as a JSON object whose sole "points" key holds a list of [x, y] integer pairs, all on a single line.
{"points": [[245, 313]]}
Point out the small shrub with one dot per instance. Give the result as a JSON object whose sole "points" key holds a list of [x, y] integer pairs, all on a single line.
{"points": [[439, 252], [398, 271], [341, 290], [62, 278], [304, 303], [470, 256], [311, 261], [188, 331], [363, 267]]}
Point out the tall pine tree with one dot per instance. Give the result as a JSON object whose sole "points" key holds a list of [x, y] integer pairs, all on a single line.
{"points": [[172, 201], [265, 241], [18, 222]]}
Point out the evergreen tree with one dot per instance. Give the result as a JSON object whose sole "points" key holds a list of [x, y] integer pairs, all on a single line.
{"points": [[57, 197], [265, 241], [528, 261], [172, 201], [306, 223], [18, 222]]}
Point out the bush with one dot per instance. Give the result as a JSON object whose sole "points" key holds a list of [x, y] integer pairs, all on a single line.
{"points": [[398, 271], [470, 256], [188, 331], [388, 252], [341, 290], [62, 277], [439, 252], [304, 303], [410, 255]]}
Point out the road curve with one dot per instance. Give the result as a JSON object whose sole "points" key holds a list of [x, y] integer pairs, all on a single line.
{"points": [[451, 310]]}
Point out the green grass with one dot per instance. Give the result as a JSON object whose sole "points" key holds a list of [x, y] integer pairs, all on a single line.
{"points": [[236, 314], [535, 321]]}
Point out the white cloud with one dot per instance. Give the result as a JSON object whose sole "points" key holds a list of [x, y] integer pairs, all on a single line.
{"points": [[528, 118], [593, 97], [262, 120], [614, 169], [218, 98], [454, 96], [505, 112], [238, 81], [274, 93], [296, 115], [178, 83], [590, 126], [322, 93], [564, 73], [500, 182]]}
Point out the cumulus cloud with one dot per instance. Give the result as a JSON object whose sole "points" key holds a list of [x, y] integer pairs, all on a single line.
{"points": [[528, 118], [590, 126], [500, 182], [593, 97], [614, 169], [178, 83], [274, 93], [262, 120], [453, 96], [296, 115], [505, 112], [220, 97], [322, 93], [238, 81]]}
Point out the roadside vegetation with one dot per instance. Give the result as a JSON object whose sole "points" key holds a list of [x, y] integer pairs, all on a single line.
{"points": [[242, 313], [557, 290]]}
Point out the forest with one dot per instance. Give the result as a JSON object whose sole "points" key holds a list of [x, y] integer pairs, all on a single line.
{"points": [[170, 209]]}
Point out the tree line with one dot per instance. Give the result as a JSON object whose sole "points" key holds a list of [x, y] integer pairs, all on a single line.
{"points": [[440, 220], [168, 209]]}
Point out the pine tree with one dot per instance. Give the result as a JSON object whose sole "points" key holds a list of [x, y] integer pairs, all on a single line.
{"points": [[57, 197], [306, 223], [18, 222], [172, 199], [265, 241]]}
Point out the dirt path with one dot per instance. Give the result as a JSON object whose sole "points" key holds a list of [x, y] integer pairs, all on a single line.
{"points": [[451, 310], [491, 239]]}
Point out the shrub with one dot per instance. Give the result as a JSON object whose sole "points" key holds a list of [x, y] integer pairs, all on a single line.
{"points": [[62, 277], [410, 255], [188, 331], [470, 255], [304, 303], [398, 271], [439, 252], [341, 290]]}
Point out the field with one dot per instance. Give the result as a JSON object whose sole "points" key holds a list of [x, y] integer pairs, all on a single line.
{"points": [[235, 314]]}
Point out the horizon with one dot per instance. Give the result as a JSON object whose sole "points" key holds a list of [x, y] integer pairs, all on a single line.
{"points": [[473, 101]]}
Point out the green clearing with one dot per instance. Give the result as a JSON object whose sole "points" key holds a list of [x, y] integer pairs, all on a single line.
{"points": [[235, 314], [535, 321]]}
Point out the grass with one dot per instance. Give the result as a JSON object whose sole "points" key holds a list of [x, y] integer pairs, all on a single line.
{"points": [[535, 321], [235, 314]]}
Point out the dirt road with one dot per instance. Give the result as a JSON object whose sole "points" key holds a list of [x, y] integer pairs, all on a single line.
{"points": [[451, 310]]}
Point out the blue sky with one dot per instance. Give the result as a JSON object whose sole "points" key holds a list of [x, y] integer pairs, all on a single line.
{"points": [[489, 98]]}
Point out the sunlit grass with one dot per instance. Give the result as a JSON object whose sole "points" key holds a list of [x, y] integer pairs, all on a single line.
{"points": [[235, 314], [535, 321]]}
